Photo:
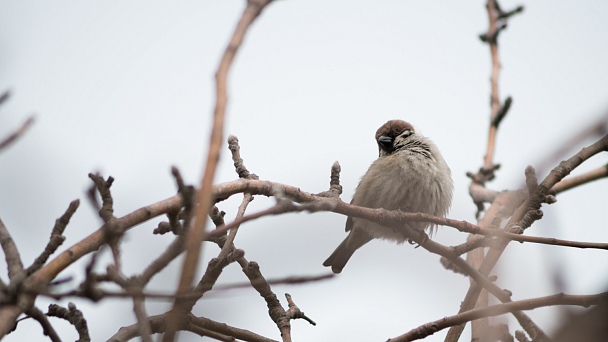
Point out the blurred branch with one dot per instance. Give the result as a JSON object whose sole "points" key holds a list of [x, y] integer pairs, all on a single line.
{"points": [[594, 130], [205, 196], [11, 254], [74, 317], [499, 309], [18, 133], [47, 328], [296, 280], [522, 218], [574, 181], [4, 96], [158, 325]]}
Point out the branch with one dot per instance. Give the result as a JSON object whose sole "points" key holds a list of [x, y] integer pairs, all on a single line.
{"points": [[574, 181], [275, 310], [18, 133], [593, 130], [74, 317], [204, 196], [278, 281], [521, 219], [47, 328], [11, 253], [57, 237], [225, 329], [158, 325], [499, 309]]}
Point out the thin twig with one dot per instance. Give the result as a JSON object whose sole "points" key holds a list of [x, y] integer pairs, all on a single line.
{"points": [[574, 181], [521, 220], [74, 317], [11, 253], [47, 328], [499, 309], [18, 133], [56, 239]]}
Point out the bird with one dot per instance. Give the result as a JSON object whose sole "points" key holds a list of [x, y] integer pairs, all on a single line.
{"points": [[410, 174]]}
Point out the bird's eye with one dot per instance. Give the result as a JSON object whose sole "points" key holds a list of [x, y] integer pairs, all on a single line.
{"points": [[407, 133]]}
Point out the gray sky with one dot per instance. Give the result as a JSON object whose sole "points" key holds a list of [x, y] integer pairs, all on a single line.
{"points": [[126, 89]]}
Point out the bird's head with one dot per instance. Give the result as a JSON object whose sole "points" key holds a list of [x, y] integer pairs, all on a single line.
{"points": [[392, 136]]}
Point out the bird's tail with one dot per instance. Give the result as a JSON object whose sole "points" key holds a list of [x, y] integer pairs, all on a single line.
{"points": [[338, 259]]}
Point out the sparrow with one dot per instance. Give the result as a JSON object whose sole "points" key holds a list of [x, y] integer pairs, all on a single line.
{"points": [[409, 175]]}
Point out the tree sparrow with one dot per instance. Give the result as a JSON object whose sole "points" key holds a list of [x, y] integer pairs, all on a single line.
{"points": [[410, 175]]}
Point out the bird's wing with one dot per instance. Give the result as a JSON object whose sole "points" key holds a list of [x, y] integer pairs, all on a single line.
{"points": [[349, 221], [349, 224]]}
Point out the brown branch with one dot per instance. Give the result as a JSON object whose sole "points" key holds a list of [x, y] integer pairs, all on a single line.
{"points": [[205, 195], [275, 310], [591, 131], [396, 216], [4, 96], [158, 325], [499, 309], [57, 237], [278, 281], [95, 240], [202, 332], [241, 170], [494, 94], [113, 233], [335, 189], [522, 219], [8, 317], [47, 328], [11, 253], [74, 317], [172, 252], [294, 311], [574, 181], [526, 215], [235, 149], [18, 133], [225, 329]]}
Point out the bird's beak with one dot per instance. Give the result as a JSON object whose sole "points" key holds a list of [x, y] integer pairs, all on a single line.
{"points": [[385, 142]]}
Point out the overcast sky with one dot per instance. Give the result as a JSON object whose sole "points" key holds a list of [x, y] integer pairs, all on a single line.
{"points": [[126, 89]]}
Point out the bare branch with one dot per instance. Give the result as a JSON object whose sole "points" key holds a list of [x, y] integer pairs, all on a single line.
{"points": [[74, 316], [592, 131], [11, 253], [276, 311], [204, 196], [18, 133], [574, 181], [522, 218], [294, 311], [57, 237], [499, 309], [287, 280], [225, 329], [47, 328], [158, 324]]}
